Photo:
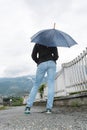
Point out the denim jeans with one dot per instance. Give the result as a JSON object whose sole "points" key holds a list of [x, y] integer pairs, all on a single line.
{"points": [[48, 67]]}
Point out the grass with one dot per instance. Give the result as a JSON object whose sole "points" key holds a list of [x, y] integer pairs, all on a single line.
{"points": [[75, 104], [3, 107], [79, 92]]}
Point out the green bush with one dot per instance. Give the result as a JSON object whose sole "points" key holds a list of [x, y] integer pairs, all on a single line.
{"points": [[17, 101], [41, 90]]}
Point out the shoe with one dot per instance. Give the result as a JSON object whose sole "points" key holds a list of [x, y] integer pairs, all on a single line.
{"points": [[27, 110], [48, 111]]}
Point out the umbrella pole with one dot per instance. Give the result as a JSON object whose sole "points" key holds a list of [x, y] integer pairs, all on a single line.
{"points": [[54, 25]]}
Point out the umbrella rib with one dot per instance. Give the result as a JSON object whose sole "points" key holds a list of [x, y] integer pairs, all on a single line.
{"points": [[64, 38]]}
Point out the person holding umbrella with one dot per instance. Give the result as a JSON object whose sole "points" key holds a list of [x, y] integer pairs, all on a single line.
{"points": [[45, 54], [45, 57]]}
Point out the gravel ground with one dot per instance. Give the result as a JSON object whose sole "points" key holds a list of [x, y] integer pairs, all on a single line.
{"points": [[62, 118]]}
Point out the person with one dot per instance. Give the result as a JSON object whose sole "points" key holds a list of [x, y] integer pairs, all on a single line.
{"points": [[45, 57]]}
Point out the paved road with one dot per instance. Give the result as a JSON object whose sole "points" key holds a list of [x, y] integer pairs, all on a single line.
{"points": [[62, 118]]}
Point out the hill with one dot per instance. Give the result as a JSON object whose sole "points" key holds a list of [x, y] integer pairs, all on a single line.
{"points": [[16, 86]]}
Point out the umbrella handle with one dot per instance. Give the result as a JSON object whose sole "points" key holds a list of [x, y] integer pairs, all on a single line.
{"points": [[54, 25]]}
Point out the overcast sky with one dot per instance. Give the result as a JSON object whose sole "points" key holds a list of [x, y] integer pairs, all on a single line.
{"points": [[20, 19]]}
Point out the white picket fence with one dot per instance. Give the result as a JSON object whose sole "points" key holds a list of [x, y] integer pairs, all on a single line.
{"points": [[72, 77]]}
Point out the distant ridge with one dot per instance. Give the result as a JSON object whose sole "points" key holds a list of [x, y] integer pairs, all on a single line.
{"points": [[17, 86]]}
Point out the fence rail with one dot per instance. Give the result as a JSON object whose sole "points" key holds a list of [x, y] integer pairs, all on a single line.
{"points": [[72, 77]]}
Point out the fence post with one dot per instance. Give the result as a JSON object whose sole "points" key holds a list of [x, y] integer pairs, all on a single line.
{"points": [[74, 75]]}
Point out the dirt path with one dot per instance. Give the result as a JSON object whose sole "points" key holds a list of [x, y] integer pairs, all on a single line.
{"points": [[62, 118]]}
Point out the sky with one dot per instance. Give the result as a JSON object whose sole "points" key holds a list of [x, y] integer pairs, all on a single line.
{"points": [[20, 19]]}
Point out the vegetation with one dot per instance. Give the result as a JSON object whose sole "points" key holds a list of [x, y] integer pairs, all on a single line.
{"points": [[41, 90], [13, 101], [17, 101], [75, 104], [79, 92], [2, 107]]}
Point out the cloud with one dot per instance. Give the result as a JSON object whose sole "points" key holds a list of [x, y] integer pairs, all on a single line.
{"points": [[48, 11], [14, 71], [18, 70], [20, 19]]}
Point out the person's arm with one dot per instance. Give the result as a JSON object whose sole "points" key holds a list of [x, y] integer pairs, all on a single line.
{"points": [[34, 53]]}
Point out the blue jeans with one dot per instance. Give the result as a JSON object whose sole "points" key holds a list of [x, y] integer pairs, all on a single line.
{"points": [[48, 67]]}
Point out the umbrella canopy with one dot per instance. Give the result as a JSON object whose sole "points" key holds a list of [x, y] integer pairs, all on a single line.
{"points": [[53, 37]]}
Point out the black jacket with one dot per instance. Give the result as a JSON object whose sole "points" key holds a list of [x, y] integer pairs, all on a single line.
{"points": [[42, 53]]}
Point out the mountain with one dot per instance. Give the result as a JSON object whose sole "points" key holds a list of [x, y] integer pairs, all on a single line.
{"points": [[17, 86]]}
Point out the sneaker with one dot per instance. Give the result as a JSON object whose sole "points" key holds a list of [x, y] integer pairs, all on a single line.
{"points": [[48, 111], [27, 110]]}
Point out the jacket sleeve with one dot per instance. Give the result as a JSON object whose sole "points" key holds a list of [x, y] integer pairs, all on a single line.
{"points": [[34, 53], [55, 53]]}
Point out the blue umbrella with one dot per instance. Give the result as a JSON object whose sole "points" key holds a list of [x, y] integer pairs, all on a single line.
{"points": [[53, 37]]}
